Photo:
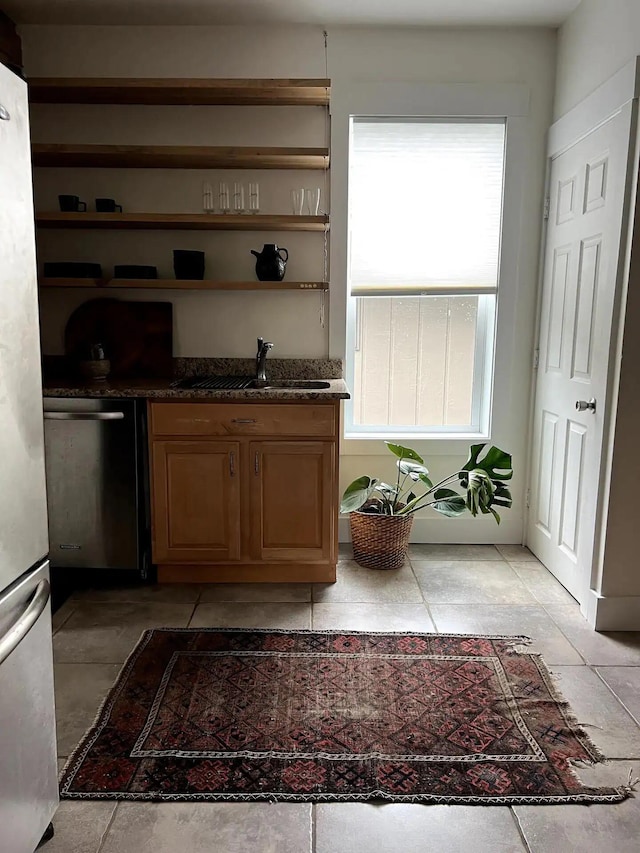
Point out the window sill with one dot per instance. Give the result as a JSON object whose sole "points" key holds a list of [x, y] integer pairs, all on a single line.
{"points": [[441, 444]]}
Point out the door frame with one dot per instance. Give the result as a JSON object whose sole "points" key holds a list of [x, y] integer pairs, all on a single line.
{"points": [[617, 96]]}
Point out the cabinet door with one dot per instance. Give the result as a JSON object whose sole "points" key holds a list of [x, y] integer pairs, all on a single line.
{"points": [[196, 501], [292, 500]]}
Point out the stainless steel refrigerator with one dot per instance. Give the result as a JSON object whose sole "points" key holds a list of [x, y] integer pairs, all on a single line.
{"points": [[28, 771]]}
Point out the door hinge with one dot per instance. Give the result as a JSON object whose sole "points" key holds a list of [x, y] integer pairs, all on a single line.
{"points": [[546, 208], [536, 358], [527, 499]]}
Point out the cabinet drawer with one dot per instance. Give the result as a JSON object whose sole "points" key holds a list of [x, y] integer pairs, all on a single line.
{"points": [[243, 419]]}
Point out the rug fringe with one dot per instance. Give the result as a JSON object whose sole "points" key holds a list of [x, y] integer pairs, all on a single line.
{"points": [[551, 680], [339, 632], [589, 797]]}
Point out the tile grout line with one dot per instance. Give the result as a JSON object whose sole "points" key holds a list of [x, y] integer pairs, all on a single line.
{"points": [[119, 663], [594, 669], [63, 623], [422, 595], [532, 591], [107, 829], [565, 635], [523, 837], [313, 828], [193, 612]]}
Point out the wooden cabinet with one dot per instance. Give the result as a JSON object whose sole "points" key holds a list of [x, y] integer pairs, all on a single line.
{"points": [[196, 501], [292, 501], [244, 492]]}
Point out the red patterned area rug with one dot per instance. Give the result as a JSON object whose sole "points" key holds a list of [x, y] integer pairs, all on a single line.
{"points": [[227, 714]]}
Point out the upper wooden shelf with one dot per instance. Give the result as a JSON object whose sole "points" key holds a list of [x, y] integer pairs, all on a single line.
{"points": [[183, 221], [178, 157], [189, 91], [182, 284]]}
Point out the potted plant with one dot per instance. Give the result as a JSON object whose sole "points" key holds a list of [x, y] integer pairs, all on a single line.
{"points": [[381, 515]]}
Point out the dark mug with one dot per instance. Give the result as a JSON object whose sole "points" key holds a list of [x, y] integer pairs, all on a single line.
{"points": [[135, 271], [188, 264], [107, 205], [70, 203]]}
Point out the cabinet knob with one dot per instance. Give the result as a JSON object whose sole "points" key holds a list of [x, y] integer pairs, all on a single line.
{"points": [[243, 420], [232, 463], [256, 463]]}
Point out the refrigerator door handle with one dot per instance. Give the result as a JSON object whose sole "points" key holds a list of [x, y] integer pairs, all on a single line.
{"points": [[83, 416], [25, 622]]}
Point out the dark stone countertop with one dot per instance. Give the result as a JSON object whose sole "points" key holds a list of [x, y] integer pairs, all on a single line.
{"points": [[58, 382], [160, 389]]}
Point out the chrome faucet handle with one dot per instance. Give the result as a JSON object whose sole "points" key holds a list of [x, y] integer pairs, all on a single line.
{"points": [[264, 346], [261, 359]]}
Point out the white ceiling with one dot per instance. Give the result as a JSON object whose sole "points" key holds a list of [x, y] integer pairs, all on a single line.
{"points": [[320, 12]]}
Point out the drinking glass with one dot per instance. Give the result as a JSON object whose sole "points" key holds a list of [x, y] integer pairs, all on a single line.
{"points": [[254, 197], [297, 201], [223, 198], [238, 198], [207, 198], [312, 197]]}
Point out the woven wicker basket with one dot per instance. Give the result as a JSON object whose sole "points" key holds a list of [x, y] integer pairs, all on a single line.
{"points": [[380, 541]]}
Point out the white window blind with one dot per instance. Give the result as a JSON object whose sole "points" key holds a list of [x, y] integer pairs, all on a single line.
{"points": [[425, 201]]}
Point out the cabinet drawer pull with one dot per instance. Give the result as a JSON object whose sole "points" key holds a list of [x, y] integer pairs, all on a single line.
{"points": [[243, 420], [232, 463], [256, 463]]}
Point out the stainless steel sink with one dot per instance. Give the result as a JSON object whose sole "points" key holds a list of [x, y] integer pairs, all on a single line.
{"points": [[293, 384]]}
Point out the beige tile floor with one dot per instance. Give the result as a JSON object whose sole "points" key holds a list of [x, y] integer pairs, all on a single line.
{"points": [[466, 589]]}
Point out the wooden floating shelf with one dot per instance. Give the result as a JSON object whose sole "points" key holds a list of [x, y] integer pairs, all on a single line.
{"points": [[182, 284], [182, 221], [178, 157], [71, 282], [180, 91]]}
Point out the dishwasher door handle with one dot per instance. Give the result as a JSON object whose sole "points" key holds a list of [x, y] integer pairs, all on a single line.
{"points": [[25, 622], [83, 416]]}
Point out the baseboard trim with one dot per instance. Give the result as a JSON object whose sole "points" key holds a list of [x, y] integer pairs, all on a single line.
{"points": [[612, 613], [247, 573]]}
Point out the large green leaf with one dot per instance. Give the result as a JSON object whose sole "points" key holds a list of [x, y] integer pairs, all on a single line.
{"points": [[501, 496], [449, 503], [415, 470], [386, 489], [495, 462], [358, 493], [389, 494], [404, 452], [480, 490]]}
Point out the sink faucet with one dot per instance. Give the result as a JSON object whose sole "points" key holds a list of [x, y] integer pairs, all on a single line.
{"points": [[261, 359]]}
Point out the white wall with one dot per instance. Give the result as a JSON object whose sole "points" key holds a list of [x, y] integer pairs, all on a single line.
{"points": [[227, 324], [594, 42]]}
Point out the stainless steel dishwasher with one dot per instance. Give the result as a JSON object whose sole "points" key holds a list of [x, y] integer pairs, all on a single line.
{"points": [[96, 484]]}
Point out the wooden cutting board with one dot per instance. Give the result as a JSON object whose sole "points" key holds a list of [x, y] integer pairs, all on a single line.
{"points": [[137, 336]]}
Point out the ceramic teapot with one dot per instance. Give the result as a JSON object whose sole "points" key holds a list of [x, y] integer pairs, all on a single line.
{"points": [[270, 264]]}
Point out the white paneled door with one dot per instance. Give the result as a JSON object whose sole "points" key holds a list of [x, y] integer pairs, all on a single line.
{"points": [[580, 270]]}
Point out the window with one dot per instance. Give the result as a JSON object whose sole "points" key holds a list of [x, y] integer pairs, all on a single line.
{"points": [[425, 208]]}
